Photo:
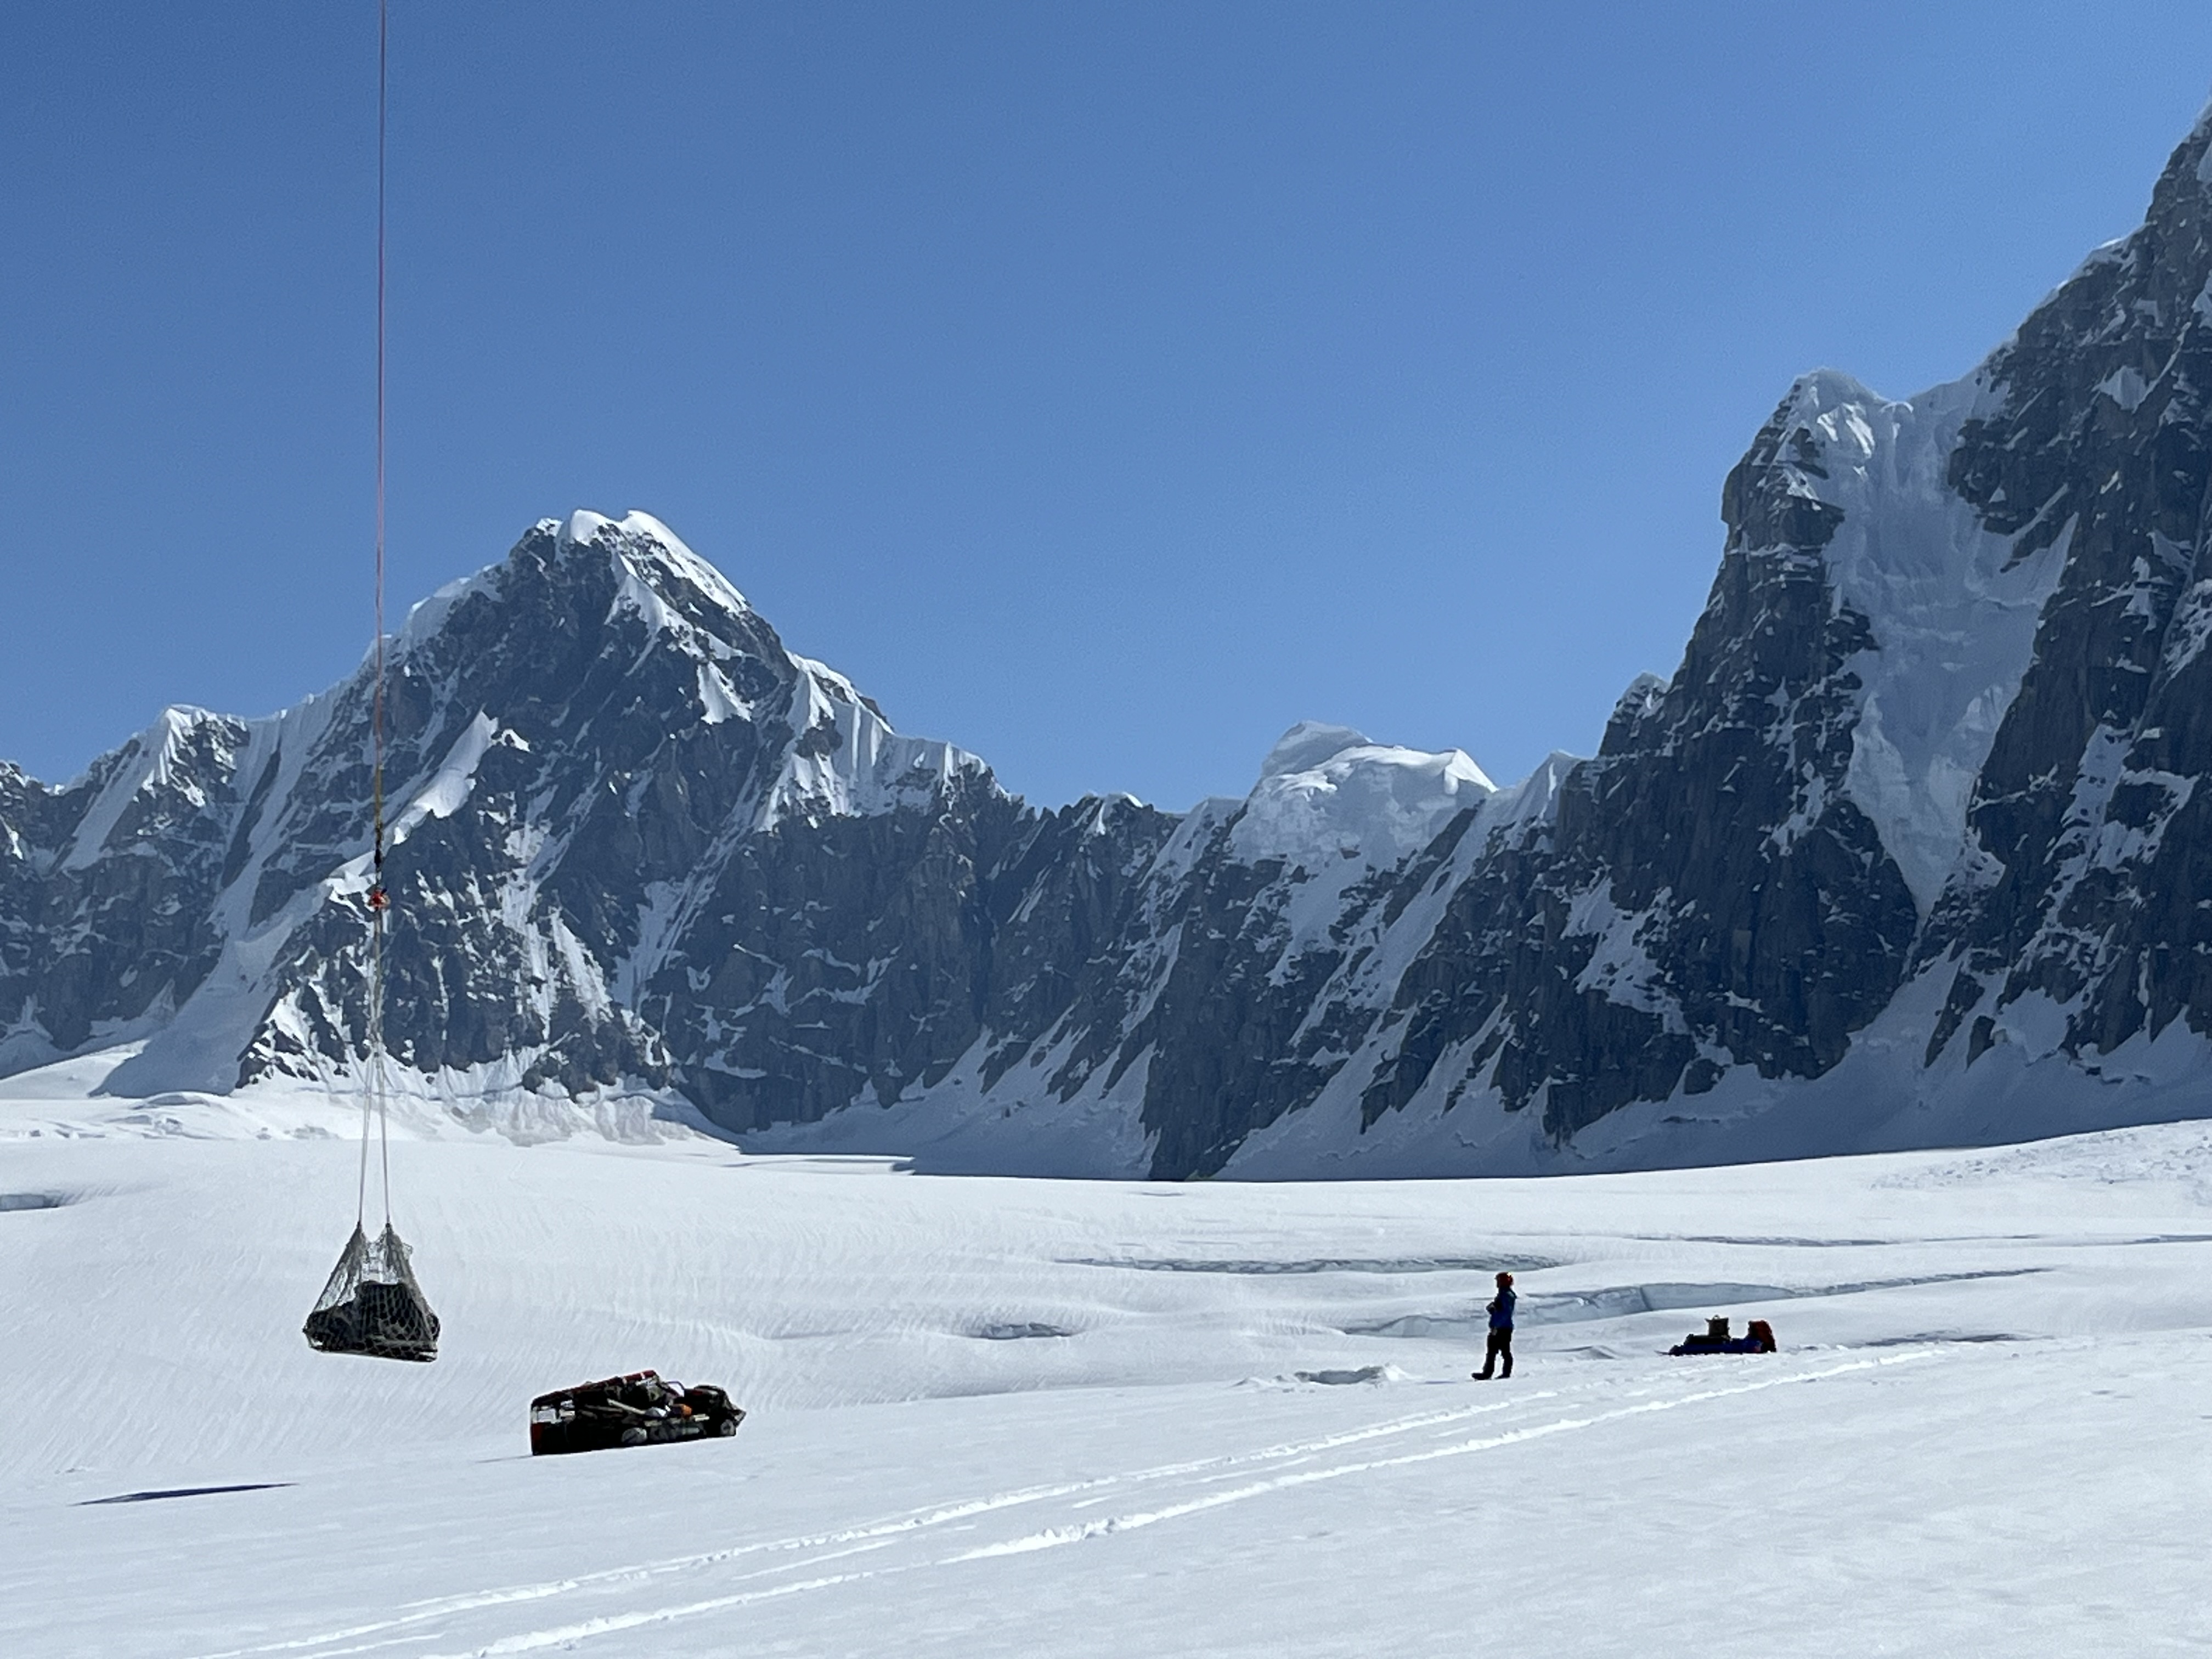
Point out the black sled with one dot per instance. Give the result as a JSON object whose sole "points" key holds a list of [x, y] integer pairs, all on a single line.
{"points": [[1758, 1338], [636, 1410]]}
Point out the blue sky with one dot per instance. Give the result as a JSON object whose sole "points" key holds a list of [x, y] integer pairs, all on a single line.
{"points": [[1104, 387]]}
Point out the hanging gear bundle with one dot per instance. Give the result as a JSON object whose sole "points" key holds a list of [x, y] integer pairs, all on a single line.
{"points": [[372, 1304]]}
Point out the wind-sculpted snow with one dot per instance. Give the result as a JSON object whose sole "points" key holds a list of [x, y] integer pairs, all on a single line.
{"points": [[1908, 848]]}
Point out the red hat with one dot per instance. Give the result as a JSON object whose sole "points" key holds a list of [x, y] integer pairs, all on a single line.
{"points": [[1505, 1279]]}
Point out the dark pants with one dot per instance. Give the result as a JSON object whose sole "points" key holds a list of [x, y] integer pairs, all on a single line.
{"points": [[1500, 1347]]}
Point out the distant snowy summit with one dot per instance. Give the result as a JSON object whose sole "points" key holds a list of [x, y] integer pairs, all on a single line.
{"points": [[1908, 849]]}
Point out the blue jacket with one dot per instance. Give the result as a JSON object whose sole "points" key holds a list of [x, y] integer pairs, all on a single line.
{"points": [[1501, 1312]]}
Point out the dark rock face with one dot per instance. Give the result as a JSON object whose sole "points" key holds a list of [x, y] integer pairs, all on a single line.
{"points": [[1706, 892], [2087, 805], [1922, 798], [99, 948], [838, 961]]}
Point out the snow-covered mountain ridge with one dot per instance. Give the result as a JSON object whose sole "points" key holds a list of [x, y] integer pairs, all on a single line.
{"points": [[1907, 849]]}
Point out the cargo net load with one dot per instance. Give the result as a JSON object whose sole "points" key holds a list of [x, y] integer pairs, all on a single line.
{"points": [[373, 1304]]}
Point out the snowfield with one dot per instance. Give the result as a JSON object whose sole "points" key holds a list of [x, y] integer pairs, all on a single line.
{"points": [[1001, 1416]]}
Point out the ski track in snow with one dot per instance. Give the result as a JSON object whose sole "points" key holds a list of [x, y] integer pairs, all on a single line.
{"points": [[879, 1533], [888, 1533]]}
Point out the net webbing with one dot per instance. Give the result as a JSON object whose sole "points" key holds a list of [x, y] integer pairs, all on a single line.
{"points": [[373, 1304]]}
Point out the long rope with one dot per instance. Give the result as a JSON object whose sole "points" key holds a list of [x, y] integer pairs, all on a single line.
{"points": [[378, 900]]}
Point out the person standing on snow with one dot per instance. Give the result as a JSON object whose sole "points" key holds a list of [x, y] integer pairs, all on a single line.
{"points": [[1501, 1331]]}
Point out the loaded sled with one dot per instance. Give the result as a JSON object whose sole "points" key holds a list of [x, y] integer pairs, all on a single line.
{"points": [[1758, 1338], [636, 1410]]}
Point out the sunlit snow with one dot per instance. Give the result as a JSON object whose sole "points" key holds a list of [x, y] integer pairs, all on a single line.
{"points": [[1010, 1417]]}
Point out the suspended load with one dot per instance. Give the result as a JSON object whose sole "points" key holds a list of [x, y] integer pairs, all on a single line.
{"points": [[373, 1306]]}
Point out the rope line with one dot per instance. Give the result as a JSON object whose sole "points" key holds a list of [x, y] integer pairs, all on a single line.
{"points": [[378, 900]]}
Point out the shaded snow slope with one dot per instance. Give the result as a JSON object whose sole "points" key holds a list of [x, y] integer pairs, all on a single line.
{"points": [[1952, 612]]}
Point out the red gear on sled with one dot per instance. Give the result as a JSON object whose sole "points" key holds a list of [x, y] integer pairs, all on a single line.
{"points": [[379, 899]]}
